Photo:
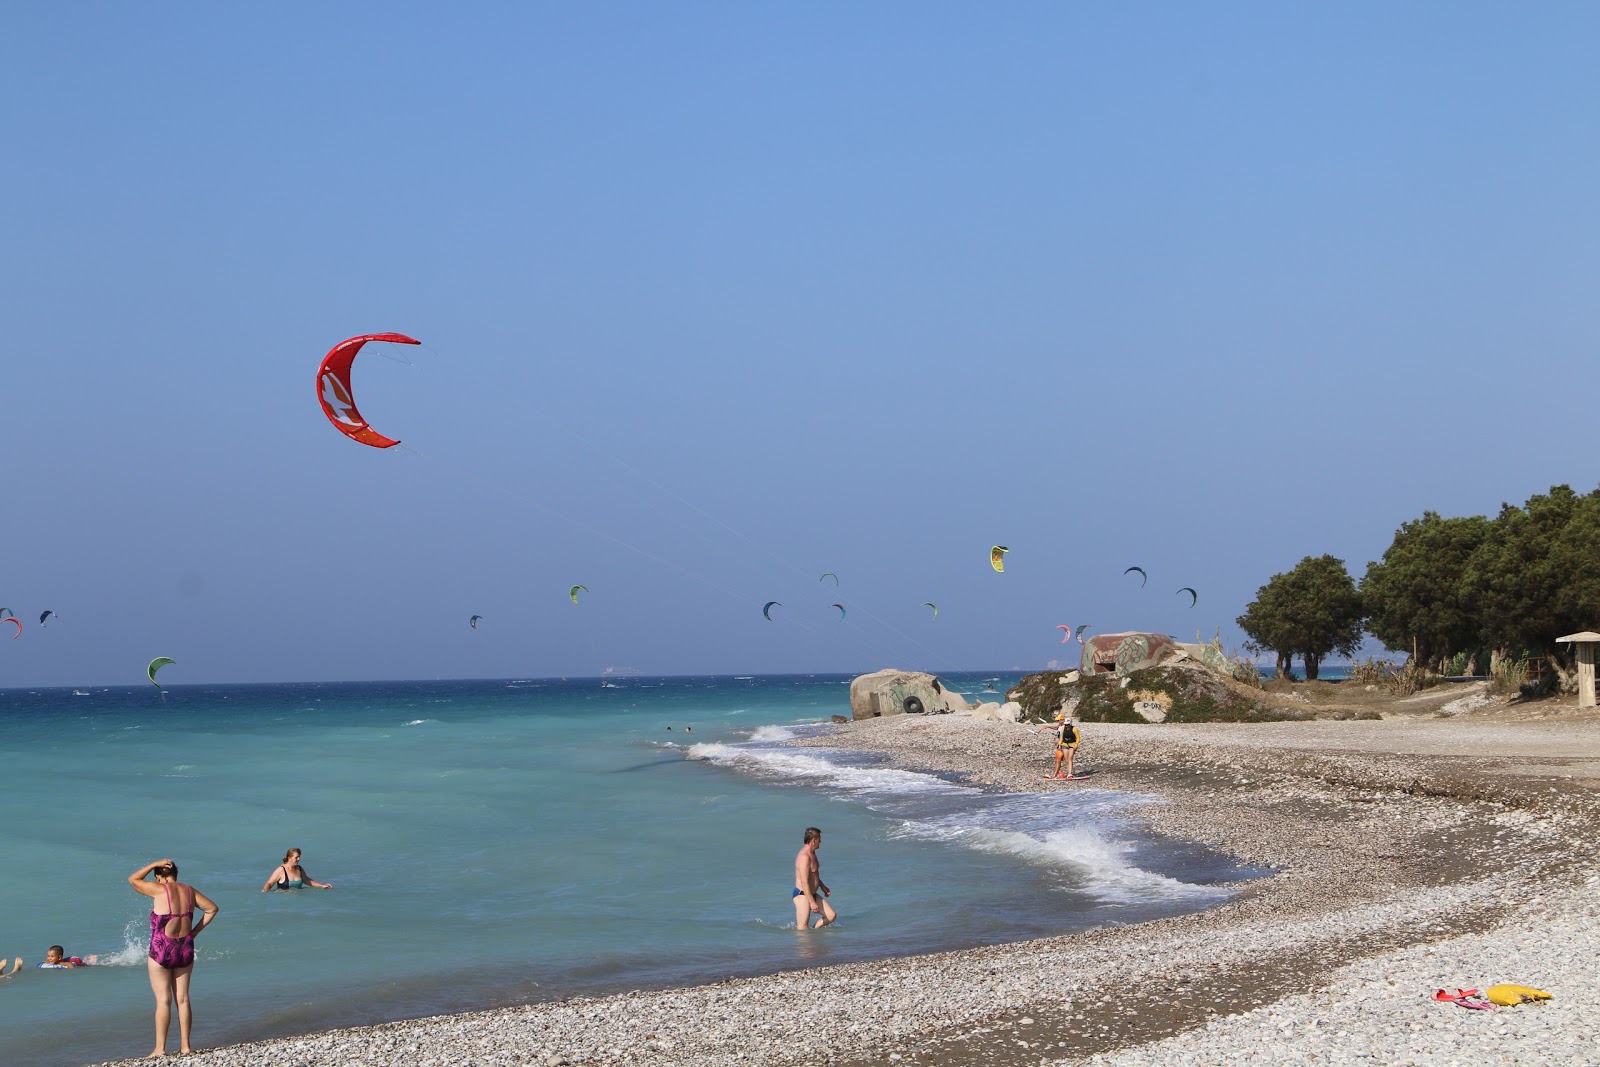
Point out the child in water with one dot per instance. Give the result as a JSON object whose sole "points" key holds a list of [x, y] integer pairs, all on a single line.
{"points": [[56, 959]]}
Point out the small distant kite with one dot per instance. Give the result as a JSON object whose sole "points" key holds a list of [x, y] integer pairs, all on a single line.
{"points": [[997, 558], [44, 615], [830, 574], [931, 604], [155, 665], [7, 611], [1066, 634], [1194, 598], [333, 388], [473, 622], [1143, 577], [18, 623], [766, 609], [841, 610], [572, 594], [1079, 635]]}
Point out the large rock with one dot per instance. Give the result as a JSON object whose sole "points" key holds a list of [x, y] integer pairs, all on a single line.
{"points": [[892, 692]]}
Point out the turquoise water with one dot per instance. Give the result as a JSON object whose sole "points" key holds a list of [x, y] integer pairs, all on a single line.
{"points": [[495, 842]]}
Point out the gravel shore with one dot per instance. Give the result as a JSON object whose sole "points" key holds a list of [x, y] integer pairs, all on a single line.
{"points": [[1407, 860]]}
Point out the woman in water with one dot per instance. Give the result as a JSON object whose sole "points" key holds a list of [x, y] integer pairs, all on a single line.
{"points": [[290, 875], [172, 933]]}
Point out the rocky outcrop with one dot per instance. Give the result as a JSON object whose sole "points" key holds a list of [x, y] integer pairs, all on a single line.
{"points": [[1010, 711], [1182, 690], [892, 692]]}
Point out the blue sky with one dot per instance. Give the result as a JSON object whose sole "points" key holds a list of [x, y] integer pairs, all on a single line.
{"points": [[717, 297]]}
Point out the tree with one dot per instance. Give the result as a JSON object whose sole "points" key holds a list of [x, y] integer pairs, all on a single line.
{"points": [[1311, 611], [1415, 598], [1536, 576]]}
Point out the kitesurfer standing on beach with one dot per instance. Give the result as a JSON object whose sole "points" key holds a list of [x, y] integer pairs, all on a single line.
{"points": [[808, 884], [1066, 743]]}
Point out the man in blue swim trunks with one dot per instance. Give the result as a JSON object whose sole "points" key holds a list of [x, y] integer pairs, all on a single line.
{"points": [[810, 894]]}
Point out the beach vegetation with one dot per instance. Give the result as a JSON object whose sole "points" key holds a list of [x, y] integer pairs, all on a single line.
{"points": [[1507, 675], [1414, 597], [1238, 664], [1370, 671], [1460, 593], [1312, 611], [1536, 577], [1410, 678], [1245, 669], [1404, 680]]}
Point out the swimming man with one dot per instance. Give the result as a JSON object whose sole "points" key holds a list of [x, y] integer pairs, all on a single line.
{"points": [[808, 883]]}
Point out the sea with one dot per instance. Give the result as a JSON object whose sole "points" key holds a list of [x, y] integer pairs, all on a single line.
{"points": [[503, 841]]}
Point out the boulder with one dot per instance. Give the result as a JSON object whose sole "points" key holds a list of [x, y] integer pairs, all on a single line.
{"points": [[1010, 711], [1150, 710], [892, 692]]}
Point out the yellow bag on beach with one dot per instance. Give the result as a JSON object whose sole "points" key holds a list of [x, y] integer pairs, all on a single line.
{"points": [[1508, 995]]}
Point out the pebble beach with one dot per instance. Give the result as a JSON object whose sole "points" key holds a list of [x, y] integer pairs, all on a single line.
{"points": [[1409, 855]]}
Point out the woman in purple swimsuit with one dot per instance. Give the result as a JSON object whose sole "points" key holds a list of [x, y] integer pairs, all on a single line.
{"points": [[172, 933]]}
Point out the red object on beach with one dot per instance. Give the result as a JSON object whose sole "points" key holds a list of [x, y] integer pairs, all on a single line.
{"points": [[333, 388], [1463, 998]]}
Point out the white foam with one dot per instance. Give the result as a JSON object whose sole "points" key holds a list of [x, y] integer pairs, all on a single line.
{"points": [[419, 722], [1089, 853], [772, 734], [792, 763], [134, 947]]}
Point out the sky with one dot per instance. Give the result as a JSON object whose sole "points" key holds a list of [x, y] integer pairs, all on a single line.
{"points": [[716, 298]]}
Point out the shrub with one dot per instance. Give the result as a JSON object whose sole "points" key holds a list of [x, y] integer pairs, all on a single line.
{"points": [[1411, 678], [1372, 672], [1508, 676]]}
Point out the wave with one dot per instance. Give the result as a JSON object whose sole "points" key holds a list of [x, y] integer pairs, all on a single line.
{"points": [[816, 770], [1077, 835], [1093, 860]]}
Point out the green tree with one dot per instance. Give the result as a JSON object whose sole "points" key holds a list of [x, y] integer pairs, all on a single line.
{"points": [[1536, 576], [1415, 599], [1311, 611]]}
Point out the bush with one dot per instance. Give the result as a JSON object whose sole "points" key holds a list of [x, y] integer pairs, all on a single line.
{"points": [[1372, 672], [1411, 678], [1509, 676], [1245, 671]]}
